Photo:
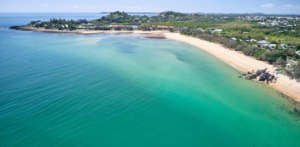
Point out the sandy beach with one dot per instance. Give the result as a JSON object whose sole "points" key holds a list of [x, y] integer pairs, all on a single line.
{"points": [[148, 34], [241, 62]]}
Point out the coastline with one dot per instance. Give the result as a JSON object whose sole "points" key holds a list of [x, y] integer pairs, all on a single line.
{"points": [[148, 34], [241, 62]]}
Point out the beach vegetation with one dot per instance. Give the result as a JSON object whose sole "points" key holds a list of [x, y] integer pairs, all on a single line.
{"points": [[249, 50], [280, 62], [296, 71]]}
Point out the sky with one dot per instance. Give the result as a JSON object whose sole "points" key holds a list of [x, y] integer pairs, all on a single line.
{"points": [[188, 6]]}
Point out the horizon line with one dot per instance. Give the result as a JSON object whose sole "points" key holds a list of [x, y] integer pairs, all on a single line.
{"points": [[171, 10]]}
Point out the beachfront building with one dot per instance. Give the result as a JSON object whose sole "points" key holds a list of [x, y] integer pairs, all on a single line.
{"points": [[251, 40], [80, 27], [283, 46], [201, 30], [263, 43], [131, 27], [216, 31], [134, 27]]}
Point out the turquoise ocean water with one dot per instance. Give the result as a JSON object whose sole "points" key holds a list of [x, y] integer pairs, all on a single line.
{"points": [[118, 90]]}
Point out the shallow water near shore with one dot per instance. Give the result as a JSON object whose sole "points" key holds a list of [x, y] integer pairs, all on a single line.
{"points": [[126, 90]]}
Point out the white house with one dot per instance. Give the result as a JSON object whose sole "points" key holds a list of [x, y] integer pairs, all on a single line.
{"points": [[283, 46], [216, 31], [134, 27], [80, 27], [200, 29], [263, 43], [233, 38]]}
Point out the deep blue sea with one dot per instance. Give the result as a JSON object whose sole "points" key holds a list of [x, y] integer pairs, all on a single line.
{"points": [[125, 90]]}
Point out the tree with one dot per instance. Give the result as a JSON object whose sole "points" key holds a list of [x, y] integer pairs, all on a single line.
{"points": [[296, 71], [270, 56], [280, 62], [241, 47], [230, 44], [249, 50]]}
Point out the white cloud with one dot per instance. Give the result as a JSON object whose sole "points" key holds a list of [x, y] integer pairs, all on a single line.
{"points": [[45, 5], [291, 6], [268, 5]]}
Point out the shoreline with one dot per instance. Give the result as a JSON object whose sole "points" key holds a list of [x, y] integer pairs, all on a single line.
{"points": [[148, 34], [241, 62]]}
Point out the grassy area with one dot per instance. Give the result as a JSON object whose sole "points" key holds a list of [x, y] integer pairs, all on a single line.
{"points": [[189, 24], [204, 24], [237, 28]]}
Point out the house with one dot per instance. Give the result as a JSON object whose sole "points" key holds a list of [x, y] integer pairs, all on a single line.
{"points": [[116, 26], [283, 46], [80, 27], [201, 30], [131, 27], [263, 43], [298, 53], [262, 23], [216, 31], [134, 27], [274, 23]]}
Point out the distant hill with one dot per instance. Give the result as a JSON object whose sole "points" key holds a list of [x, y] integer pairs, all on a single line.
{"points": [[133, 12], [172, 14]]}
